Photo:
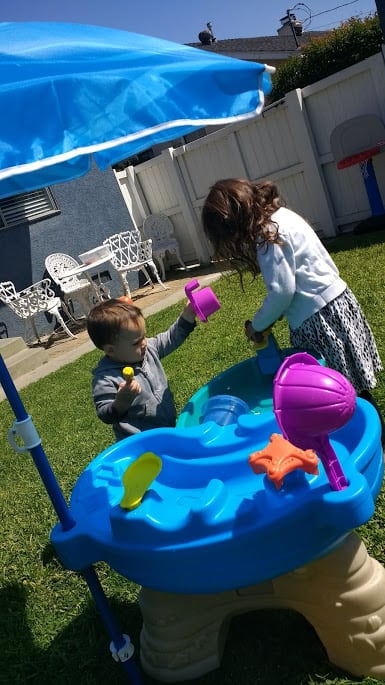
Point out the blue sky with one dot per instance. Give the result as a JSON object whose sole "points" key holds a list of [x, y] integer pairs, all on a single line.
{"points": [[181, 20]]}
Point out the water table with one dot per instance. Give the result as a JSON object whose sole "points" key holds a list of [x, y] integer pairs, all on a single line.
{"points": [[198, 517]]}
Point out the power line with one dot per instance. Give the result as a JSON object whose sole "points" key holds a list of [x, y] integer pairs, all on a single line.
{"points": [[352, 2], [334, 24], [310, 16], [307, 21], [326, 27]]}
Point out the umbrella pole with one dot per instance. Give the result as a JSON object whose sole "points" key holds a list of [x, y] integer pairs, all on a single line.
{"points": [[121, 647]]}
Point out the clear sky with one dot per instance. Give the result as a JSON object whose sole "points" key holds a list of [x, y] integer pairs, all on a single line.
{"points": [[181, 20]]}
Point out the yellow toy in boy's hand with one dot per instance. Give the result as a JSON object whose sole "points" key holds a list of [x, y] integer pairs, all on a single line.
{"points": [[128, 373], [138, 477]]}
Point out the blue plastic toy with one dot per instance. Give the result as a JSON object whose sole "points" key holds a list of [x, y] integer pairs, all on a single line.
{"points": [[199, 521], [250, 380]]}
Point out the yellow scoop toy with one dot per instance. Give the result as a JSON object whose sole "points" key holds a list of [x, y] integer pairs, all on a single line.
{"points": [[128, 373], [138, 477]]}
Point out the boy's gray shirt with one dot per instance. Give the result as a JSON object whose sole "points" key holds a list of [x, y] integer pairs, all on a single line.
{"points": [[154, 407]]}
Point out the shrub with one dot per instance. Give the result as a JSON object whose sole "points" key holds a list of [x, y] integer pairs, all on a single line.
{"points": [[352, 42]]}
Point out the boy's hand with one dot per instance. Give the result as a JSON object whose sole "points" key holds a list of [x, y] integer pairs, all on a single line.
{"points": [[188, 313], [126, 394]]}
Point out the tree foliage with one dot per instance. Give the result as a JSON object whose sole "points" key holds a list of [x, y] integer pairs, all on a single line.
{"points": [[352, 42]]}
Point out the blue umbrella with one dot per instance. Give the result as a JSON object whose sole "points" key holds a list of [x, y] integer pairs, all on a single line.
{"points": [[70, 93]]}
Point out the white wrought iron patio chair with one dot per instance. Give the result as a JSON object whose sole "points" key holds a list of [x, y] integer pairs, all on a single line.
{"points": [[131, 253], [75, 287], [160, 229], [36, 299]]}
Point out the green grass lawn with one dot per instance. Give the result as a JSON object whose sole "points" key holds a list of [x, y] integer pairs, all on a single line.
{"points": [[50, 632]]}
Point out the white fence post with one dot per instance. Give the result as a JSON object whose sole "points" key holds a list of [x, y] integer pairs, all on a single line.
{"points": [[314, 177], [136, 203], [186, 207]]}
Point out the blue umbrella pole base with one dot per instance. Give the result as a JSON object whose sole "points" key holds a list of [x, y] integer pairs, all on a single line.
{"points": [[342, 596]]}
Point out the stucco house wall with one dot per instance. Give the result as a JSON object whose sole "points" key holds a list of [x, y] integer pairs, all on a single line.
{"points": [[91, 208]]}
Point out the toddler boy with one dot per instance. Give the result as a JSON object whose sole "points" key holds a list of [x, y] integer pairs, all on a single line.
{"points": [[145, 401]]}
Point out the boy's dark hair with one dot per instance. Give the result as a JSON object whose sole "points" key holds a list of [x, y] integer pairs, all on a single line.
{"points": [[106, 320]]}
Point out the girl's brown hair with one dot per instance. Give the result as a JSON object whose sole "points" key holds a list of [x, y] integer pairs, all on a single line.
{"points": [[236, 218], [108, 318]]}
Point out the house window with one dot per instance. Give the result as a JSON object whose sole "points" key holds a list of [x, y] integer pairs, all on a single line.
{"points": [[27, 208]]}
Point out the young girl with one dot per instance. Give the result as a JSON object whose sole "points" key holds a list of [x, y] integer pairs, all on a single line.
{"points": [[247, 225]]}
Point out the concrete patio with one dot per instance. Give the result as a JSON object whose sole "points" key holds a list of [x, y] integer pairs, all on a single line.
{"points": [[58, 349]]}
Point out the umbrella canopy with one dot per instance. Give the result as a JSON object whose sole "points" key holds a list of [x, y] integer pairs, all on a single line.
{"points": [[72, 92]]}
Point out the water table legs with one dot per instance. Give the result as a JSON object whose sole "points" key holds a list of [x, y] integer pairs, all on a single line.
{"points": [[342, 595]]}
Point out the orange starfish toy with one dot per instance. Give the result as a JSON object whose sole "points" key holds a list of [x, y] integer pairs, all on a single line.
{"points": [[280, 457]]}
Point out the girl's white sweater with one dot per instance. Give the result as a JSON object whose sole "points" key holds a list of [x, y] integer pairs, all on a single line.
{"points": [[300, 276]]}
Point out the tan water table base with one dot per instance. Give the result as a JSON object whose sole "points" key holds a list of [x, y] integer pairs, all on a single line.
{"points": [[342, 595]]}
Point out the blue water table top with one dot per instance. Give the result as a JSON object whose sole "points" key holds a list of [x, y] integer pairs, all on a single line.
{"points": [[184, 510], [250, 380]]}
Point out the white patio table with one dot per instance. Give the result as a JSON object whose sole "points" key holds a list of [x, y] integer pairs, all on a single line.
{"points": [[86, 268]]}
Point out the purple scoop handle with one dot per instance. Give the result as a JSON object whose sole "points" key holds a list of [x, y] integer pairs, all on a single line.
{"points": [[190, 286], [331, 464], [321, 445]]}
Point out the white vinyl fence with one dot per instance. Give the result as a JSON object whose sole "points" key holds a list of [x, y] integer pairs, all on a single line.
{"points": [[289, 144]]}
